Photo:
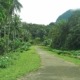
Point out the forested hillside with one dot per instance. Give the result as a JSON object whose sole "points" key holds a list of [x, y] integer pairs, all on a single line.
{"points": [[66, 33], [65, 16]]}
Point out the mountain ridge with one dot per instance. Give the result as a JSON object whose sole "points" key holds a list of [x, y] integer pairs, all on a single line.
{"points": [[66, 15]]}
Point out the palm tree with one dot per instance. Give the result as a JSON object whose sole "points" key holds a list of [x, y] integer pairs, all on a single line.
{"points": [[7, 11], [16, 6]]}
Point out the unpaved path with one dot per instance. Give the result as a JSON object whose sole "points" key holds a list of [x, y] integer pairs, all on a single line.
{"points": [[54, 68]]}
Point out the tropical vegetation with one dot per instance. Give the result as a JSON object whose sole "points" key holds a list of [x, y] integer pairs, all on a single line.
{"points": [[17, 37]]}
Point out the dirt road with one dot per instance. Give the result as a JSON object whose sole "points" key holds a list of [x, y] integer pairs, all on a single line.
{"points": [[54, 68]]}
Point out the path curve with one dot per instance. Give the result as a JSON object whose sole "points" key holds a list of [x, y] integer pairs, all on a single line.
{"points": [[54, 68]]}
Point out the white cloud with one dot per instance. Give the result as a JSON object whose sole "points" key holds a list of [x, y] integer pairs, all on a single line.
{"points": [[45, 11]]}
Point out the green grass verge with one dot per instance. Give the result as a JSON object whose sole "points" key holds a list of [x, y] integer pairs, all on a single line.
{"points": [[27, 61], [65, 57]]}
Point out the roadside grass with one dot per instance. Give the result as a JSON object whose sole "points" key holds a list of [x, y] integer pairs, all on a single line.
{"points": [[22, 63], [70, 56]]}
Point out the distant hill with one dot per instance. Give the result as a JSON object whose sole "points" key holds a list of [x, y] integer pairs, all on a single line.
{"points": [[65, 16]]}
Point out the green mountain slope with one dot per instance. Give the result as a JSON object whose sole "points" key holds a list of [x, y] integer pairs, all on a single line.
{"points": [[65, 16]]}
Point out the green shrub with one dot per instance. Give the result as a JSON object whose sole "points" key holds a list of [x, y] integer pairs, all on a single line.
{"points": [[8, 59], [66, 53], [28, 44], [25, 47], [47, 42], [31, 41], [37, 40], [5, 62], [15, 44]]}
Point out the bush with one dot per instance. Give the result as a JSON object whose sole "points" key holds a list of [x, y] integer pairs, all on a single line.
{"points": [[37, 40], [65, 53], [4, 62], [8, 59], [47, 42], [15, 44], [25, 47]]}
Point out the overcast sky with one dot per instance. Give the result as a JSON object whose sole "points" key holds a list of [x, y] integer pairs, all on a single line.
{"points": [[45, 11]]}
